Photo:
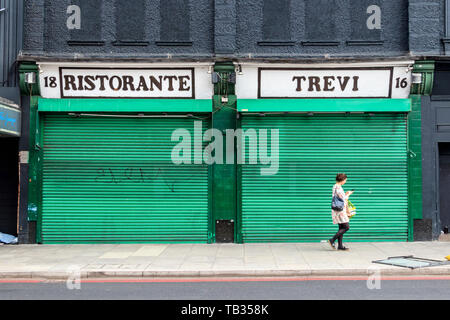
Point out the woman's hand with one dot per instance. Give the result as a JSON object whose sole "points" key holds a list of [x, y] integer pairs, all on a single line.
{"points": [[349, 193]]}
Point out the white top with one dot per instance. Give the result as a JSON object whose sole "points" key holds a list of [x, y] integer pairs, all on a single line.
{"points": [[340, 216]]}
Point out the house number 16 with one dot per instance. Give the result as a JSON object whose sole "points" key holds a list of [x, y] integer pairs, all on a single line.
{"points": [[401, 83]]}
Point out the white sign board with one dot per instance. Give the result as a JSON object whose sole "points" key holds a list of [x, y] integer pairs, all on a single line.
{"points": [[292, 82], [324, 83], [125, 82]]}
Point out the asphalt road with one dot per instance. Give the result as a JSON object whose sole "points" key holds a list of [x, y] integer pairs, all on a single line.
{"points": [[350, 288]]}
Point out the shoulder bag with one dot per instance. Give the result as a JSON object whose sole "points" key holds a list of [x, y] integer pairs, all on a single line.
{"points": [[337, 204]]}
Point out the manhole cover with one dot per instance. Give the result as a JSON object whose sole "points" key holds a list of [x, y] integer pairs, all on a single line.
{"points": [[411, 262]]}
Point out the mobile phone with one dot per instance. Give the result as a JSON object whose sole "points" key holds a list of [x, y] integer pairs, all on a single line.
{"points": [[353, 190]]}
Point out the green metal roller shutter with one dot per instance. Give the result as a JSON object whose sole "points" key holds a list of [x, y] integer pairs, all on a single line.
{"points": [[111, 180], [294, 204]]}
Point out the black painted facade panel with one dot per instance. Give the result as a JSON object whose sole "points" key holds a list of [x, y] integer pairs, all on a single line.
{"points": [[175, 21], [320, 18], [326, 28], [427, 27], [129, 31], [90, 22], [150, 28], [365, 30], [204, 28], [276, 20]]}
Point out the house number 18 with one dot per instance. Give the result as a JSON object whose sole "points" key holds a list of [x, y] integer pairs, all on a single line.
{"points": [[50, 82]]}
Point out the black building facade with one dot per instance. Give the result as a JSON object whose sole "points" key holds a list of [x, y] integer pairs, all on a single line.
{"points": [[234, 50]]}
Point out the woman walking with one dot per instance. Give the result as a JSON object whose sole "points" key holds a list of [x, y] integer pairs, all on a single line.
{"points": [[340, 216]]}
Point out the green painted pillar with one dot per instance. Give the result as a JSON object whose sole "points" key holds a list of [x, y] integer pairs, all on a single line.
{"points": [[426, 69], [35, 152], [224, 205]]}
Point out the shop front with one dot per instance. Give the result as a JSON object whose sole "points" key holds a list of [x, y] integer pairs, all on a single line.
{"points": [[322, 120], [108, 172], [10, 131], [120, 153]]}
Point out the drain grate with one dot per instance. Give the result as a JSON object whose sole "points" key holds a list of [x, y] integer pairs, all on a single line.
{"points": [[411, 262]]}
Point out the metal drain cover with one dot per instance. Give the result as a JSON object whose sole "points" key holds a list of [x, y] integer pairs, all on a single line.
{"points": [[411, 262]]}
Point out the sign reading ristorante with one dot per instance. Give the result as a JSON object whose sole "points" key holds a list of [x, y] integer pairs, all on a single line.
{"points": [[121, 83]]}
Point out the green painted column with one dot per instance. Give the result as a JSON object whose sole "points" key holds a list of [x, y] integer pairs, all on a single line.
{"points": [[224, 185], [426, 69], [35, 152]]}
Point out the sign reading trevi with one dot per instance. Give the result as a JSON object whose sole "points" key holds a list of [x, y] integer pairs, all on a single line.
{"points": [[331, 83]]}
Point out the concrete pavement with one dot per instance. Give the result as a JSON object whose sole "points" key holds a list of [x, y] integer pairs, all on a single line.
{"points": [[213, 260]]}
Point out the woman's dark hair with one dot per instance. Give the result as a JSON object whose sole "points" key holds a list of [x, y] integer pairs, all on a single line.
{"points": [[341, 177]]}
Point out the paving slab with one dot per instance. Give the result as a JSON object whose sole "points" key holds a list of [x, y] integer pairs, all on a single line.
{"points": [[116, 255], [229, 261], [290, 260], [157, 260], [230, 250], [196, 266], [199, 259], [149, 251], [205, 250]]}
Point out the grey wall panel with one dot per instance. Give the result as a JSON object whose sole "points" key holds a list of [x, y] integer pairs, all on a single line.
{"points": [[175, 20], [224, 27], [276, 20], [90, 28], [127, 29], [34, 26], [147, 27], [426, 26], [237, 28], [307, 25], [360, 31], [320, 18]]}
